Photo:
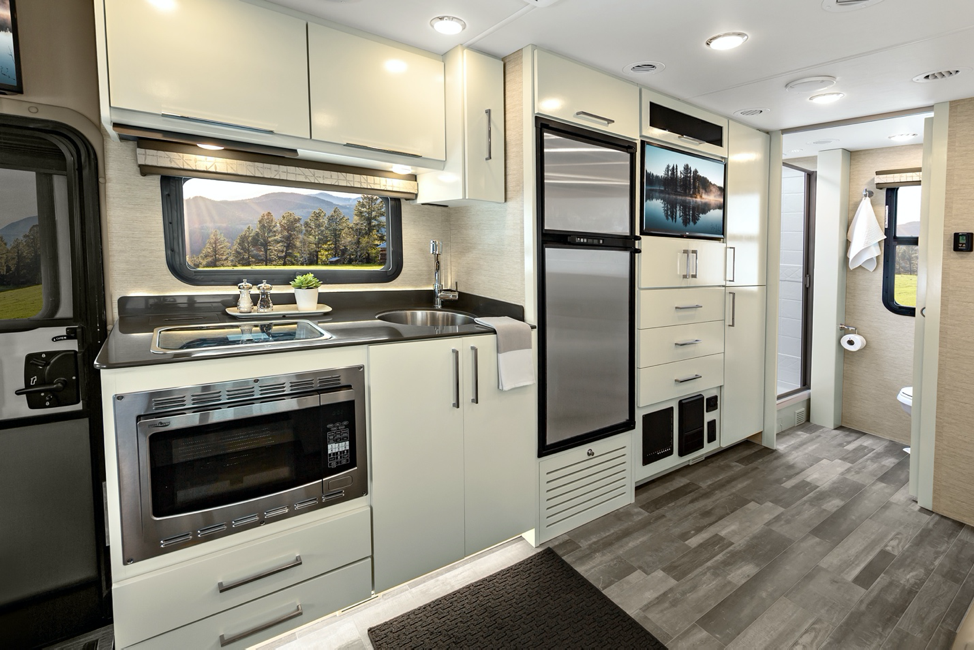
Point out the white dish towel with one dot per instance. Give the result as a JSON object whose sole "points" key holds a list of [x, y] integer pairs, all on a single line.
{"points": [[515, 362], [864, 237]]}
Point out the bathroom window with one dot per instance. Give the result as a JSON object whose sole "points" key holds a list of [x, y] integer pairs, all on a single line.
{"points": [[902, 249], [219, 232]]}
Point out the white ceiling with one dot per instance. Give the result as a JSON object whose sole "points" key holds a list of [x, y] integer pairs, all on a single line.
{"points": [[854, 137], [874, 51]]}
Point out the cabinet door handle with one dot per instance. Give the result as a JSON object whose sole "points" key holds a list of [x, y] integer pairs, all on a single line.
{"points": [[476, 376], [686, 379], [687, 138], [229, 125], [595, 117], [682, 307], [489, 146], [227, 640], [456, 379], [733, 322], [681, 344], [686, 259], [239, 583], [696, 263], [352, 145], [733, 266]]}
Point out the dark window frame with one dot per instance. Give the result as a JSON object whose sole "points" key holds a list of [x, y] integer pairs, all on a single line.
{"points": [[889, 256], [175, 237]]}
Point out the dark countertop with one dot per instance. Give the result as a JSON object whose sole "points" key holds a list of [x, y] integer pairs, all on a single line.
{"points": [[351, 322]]}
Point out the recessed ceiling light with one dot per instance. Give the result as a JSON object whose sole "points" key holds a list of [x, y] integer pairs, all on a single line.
{"points": [[727, 41], [901, 137], [402, 169], [826, 98], [645, 67], [811, 84], [210, 147], [449, 25]]}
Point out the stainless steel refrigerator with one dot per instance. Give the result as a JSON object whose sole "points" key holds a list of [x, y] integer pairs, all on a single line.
{"points": [[586, 291]]}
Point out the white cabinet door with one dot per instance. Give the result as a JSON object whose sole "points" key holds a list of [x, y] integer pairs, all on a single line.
{"points": [[500, 445], [575, 93], [367, 94], [666, 307], [206, 61], [676, 262], [747, 206], [684, 125], [417, 458], [743, 407], [708, 263]]}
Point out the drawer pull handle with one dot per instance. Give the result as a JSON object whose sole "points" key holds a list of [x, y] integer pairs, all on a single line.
{"points": [[228, 125], [239, 583], [490, 146], [366, 147], [595, 117], [686, 379], [682, 307], [687, 138], [227, 640], [681, 344]]}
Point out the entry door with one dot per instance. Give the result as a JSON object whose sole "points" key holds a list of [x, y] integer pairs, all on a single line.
{"points": [[51, 323]]}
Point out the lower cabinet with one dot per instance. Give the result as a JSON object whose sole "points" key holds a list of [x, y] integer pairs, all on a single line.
{"points": [[744, 339], [452, 456]]}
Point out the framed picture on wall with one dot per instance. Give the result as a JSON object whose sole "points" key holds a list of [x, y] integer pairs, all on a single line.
{"points": [[11, 82]]}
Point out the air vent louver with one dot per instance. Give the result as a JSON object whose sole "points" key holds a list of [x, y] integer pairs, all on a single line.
{"points": [[644, 67], [847, 5], [165, 403], [272, 389], [937, 75], [332, 381], [752, 112], [206, 398]]}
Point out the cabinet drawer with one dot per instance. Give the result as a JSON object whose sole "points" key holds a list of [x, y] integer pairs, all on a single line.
{"points": [[666, 307], [164, 600], [668, 344], [576, 93], [271, 615], [672, 262], [660, 383], [672, 121]]}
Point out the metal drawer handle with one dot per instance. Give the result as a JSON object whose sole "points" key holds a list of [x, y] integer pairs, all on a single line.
{"points": [[687, 138], [239, 583], [681, 307], [594, 117], [686, 255], [229, 125], [733, 266], [690, 342], [489, 146], [733, 322], [380, 150], [686, 379], [696, 263], [227, 640], [476, 376], [456, 379]]}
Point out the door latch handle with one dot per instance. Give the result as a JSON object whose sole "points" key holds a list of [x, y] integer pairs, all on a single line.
{"points": [[58, 385]]}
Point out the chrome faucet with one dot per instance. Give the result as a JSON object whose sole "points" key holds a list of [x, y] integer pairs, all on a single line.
{"points": [[439, 293]]}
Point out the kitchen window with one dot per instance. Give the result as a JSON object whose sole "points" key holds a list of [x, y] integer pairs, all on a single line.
{"points": [[219, 232], [902, 249]]}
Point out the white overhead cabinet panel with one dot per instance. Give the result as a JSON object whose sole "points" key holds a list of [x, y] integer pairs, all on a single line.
{"points": [[474, 132], [678, 262], [743, 407], [372, 96], [222, 67], [674, 122], [746, 206], [575, 93]]}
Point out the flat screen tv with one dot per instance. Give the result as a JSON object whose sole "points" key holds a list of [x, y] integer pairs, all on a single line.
{"points": [[683, 194], [10, 79]]}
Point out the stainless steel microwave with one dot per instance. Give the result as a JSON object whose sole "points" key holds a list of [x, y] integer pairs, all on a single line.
{"points": [[202, 462]]}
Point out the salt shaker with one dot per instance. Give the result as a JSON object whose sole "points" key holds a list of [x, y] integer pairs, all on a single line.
{"points": [[245, 304], [264, 303]]}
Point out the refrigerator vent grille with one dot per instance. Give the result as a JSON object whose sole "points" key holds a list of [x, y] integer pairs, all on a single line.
{"points": [[572, 491], [800, 417]]}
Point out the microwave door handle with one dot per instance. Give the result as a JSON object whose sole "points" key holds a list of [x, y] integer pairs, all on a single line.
{"points": [[336, 397], [155, 424]]}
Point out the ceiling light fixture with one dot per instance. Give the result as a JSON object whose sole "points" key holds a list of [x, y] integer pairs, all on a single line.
{"points": [[811, 84], [902, 137], [449, 25], [402, 169], [727, 41], [826, 98], [210, 147]]}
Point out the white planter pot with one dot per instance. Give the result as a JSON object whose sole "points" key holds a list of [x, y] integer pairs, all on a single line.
{"points": [[307, 299]]}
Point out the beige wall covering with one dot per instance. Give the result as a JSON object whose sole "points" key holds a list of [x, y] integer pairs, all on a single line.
{"points": [[873, 376], [953, 477]]}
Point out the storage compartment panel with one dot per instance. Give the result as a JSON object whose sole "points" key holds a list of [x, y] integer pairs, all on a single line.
{"points": [[668, 307], [657, 435]]}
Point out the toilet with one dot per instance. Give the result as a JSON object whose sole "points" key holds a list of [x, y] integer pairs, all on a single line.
{"points": [[905, 398]]}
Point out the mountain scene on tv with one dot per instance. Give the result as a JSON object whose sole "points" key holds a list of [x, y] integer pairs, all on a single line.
{"points": [[8, 63], [683, 194]]}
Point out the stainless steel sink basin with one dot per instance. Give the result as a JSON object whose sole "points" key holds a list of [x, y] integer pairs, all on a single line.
{"points": [[200, 339], [426, 317]]}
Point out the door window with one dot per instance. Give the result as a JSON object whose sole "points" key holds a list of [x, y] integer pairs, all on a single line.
{"points": [[902, 249]]}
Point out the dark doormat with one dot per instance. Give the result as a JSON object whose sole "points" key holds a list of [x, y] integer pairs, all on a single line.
{"points": [[540, 602]]}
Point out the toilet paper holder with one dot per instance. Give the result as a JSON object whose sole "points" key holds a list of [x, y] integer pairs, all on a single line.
{"points": [[848, 328]]}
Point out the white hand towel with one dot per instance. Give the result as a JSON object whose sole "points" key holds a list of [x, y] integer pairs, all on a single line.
{"points": [[515, 362], [864, 237]]}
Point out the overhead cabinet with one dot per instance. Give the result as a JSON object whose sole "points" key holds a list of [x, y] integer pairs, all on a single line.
{"points": [[223, 66], [453, 457], [671, 121], [368, 95], [474, 132], [747, 206], [575, 93]]}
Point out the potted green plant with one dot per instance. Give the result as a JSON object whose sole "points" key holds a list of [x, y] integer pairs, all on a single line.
{"points": [[306, 291]]}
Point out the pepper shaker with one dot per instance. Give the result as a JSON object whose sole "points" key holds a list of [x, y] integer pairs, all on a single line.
{"points": [[245, 303], [264, 303]]}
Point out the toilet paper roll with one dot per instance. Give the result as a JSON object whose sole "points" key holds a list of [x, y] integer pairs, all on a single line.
{"points": [[853, 342]]}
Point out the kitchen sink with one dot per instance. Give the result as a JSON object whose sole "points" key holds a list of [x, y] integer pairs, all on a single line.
{"points": [[236, 336], [426, 317]]}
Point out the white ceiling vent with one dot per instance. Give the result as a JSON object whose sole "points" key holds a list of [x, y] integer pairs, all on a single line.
{"points": [[847, 5], [645, 67], [811, 84], [540, 3], [937, 75], [823, 142], [752, 112]]}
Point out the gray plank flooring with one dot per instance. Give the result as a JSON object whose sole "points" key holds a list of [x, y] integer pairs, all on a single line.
{"points": [[815, 545]]}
